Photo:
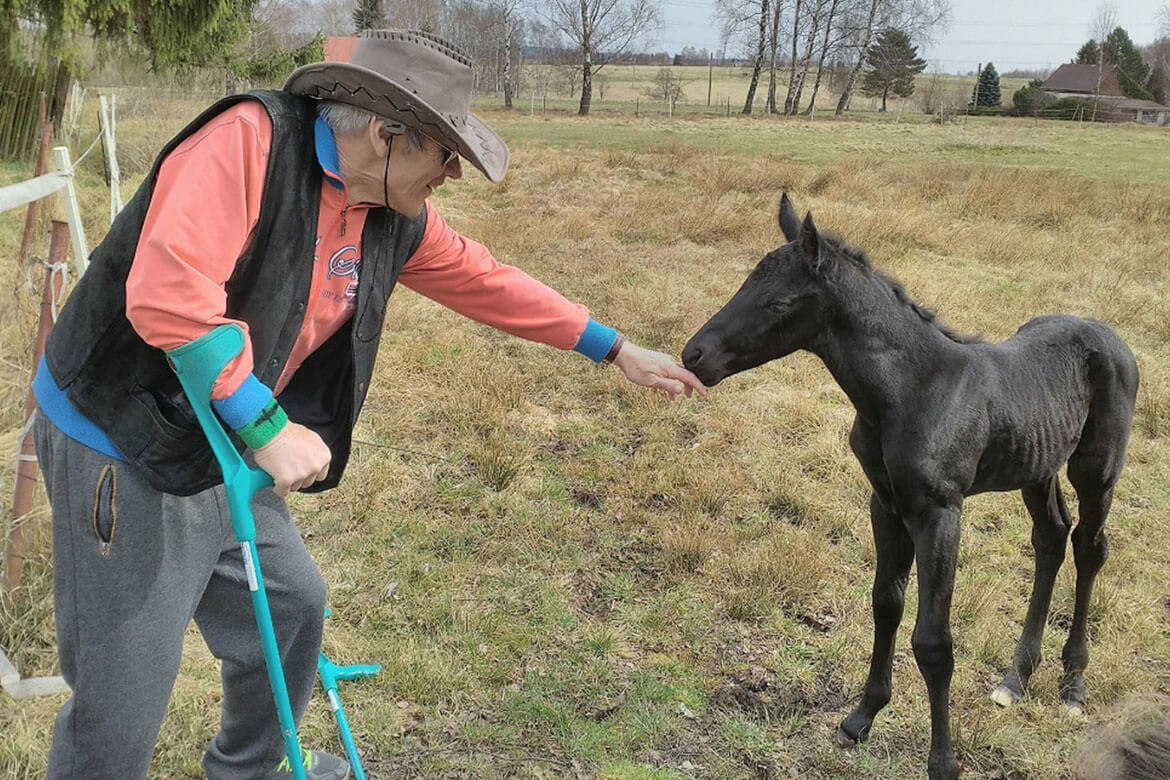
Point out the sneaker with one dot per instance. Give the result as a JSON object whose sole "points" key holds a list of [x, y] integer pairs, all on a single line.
{"points": [[318, 766]]}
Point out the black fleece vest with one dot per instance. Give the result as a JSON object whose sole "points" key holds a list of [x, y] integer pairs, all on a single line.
{"points": [[127, 388]]}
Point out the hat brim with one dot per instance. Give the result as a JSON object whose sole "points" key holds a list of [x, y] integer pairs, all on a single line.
{"points": [[357, 86]]}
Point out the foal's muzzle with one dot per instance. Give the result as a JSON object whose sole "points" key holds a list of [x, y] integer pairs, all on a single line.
{"points": [[705, 357]]}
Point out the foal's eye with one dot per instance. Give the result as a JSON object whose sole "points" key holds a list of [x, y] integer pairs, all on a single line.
{"points": [[779, 306]]}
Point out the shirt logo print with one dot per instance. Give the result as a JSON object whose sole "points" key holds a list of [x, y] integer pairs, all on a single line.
{"points": [[345, 262]]}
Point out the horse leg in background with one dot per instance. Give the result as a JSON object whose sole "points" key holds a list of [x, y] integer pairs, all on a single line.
{"points": [[1050, 528], [936, 547], [895, 554]]}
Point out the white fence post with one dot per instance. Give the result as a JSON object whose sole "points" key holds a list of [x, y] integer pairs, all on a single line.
{"points": [[108, 121], [72, 210]]}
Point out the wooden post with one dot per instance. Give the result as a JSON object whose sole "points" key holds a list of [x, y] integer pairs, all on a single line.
{"points": [[26, 471], [110, 147], [710, 65], [72, 210], [42, 164]]}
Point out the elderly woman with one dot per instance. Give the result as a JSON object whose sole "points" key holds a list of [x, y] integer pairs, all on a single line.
{"points": [[293, 214]]}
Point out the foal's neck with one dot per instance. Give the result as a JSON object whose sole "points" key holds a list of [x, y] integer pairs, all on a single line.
{"points": [[882, 352]]}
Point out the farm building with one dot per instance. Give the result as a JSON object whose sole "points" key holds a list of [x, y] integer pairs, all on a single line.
{"points": [[1087, 82]]}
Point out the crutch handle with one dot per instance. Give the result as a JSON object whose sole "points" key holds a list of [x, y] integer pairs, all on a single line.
{"points": [[198, 364]]}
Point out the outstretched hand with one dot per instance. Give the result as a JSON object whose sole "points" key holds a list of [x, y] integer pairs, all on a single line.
{"points": [[657, 370]]}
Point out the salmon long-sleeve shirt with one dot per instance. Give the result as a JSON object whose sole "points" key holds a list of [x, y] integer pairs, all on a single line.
{"points": [[201, 219]]}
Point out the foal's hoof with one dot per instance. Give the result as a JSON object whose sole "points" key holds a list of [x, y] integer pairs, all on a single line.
{"points": [[843, 739], [852, 733], [1004, 696], [1075, 708]]}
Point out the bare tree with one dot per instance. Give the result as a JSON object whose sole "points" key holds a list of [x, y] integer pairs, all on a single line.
{"points": [[796, 19], [862, 38], [743, 25], [601, 30], [328, 17], [826, 45], [1104, 21], [800, 73], [666, 87], [433, 16], [1164, 20], [758, 61], [773, 49], [507, 26]]}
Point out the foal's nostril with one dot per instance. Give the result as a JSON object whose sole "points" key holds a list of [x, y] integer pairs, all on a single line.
{"points": [[692, 354]]}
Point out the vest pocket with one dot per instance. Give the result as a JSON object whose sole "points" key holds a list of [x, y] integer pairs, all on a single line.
{"points": [[105, 509]]}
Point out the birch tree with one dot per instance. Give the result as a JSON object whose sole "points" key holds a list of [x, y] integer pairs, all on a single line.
{"points": [[758, 62], [508, 23], [826, 46], [773, 50], [601, 31]]}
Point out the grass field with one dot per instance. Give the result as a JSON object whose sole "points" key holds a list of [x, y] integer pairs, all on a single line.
{"points": [[564, 576]]}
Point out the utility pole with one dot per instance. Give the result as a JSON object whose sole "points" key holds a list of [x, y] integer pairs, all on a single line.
{"points": [[974, 95], [710, 62]]}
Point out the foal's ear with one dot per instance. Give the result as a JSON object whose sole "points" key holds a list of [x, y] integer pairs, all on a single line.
{"points": [[789, 222], [810, 243]]}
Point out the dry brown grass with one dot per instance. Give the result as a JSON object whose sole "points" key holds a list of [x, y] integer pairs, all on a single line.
{"points": [[593, 582]]}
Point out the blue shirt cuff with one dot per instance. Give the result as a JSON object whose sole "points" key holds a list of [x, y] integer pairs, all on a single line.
{"points": [[242, 406], [596, 341]]}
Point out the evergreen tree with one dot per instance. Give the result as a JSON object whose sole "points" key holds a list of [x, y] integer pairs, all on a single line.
{"points": [[368, 16], [1089, 54], [892, 62], [986, 91], [1132, 71], [175, 33], [172, 33]]}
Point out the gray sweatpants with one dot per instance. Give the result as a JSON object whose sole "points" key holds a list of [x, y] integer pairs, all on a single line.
{"points": [[131, 567]]}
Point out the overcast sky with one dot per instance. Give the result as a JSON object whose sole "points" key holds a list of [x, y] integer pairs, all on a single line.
{"points": [[1029, 34]]}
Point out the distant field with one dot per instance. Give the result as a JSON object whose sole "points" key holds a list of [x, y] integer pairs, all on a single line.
{"points": [[616, 87], [567, 577]]}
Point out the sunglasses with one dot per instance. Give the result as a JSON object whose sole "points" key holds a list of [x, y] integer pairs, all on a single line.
{"points": [[396, 128], [449, 155]]}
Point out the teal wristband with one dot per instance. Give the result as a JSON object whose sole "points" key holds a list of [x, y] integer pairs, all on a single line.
{"points": [[264, 426]]}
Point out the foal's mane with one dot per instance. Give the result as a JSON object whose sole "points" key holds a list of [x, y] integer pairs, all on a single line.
{"points": [[859, 259]]}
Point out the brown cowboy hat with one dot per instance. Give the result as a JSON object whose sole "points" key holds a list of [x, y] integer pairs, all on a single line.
{"points": [[414, 78]]}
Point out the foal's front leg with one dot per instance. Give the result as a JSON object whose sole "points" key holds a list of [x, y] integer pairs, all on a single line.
{"points": [[936, 546], [895, 553]]}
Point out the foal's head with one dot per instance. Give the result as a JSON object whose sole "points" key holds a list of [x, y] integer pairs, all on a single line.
{"points": [[780, 308]]}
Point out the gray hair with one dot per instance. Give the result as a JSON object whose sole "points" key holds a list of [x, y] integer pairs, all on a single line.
{"points": [[344, 119]]}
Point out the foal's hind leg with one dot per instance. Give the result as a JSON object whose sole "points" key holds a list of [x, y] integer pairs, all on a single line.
{"points": [[1090, 549], [1093, 470], [1050, 527], [895, 554]]}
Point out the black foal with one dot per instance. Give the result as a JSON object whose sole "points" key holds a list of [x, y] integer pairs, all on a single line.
{"points": [[941, 417]]}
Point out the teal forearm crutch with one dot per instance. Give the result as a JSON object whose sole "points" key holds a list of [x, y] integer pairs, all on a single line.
{"points": [[198, 364], [331, 674]]}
